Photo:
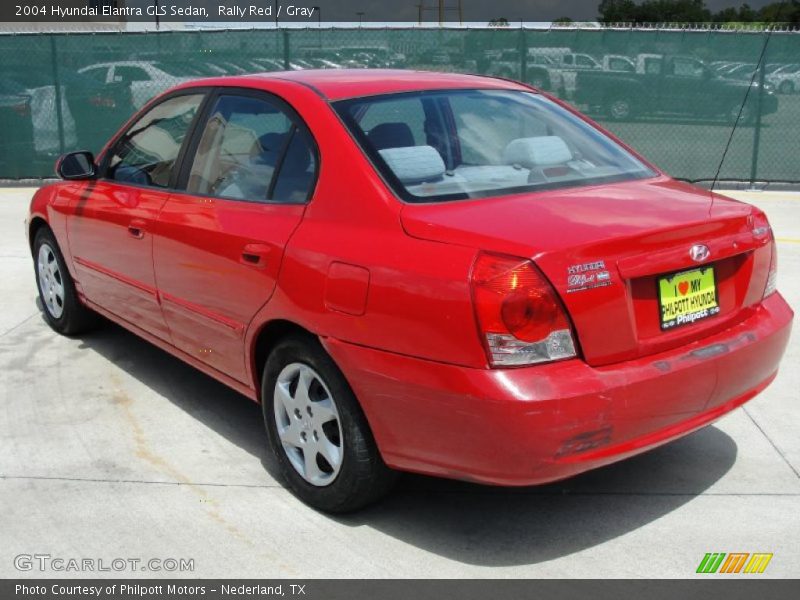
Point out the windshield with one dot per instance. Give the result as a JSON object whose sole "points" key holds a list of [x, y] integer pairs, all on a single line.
{"points": [[449, 145]]}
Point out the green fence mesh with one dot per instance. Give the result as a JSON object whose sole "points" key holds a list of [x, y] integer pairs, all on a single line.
{"points": [[673, 95]]}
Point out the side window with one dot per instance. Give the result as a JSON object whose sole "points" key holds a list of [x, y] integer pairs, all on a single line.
{"points": [[296, 175], [618, 64], [395, 123], [129, 74], [146, 153], [99, 74], [241, 149], [687, 68], [652, 66]]}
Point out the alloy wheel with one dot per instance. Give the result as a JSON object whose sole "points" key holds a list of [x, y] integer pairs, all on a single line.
{"points": [[308, 424], [51, 282], [620, 109]]}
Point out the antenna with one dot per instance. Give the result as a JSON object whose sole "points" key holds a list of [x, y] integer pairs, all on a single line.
{"points": [[758, 70]]}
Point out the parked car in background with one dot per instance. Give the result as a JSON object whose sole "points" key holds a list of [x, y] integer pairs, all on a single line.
{"points": [[668, 85], [48, 138], [146, 78], [428, 272], [743, 71], [98, 109], [749, 74], [508, 64], [16, 122], [618, 62], [786, 79], [90, 110]]}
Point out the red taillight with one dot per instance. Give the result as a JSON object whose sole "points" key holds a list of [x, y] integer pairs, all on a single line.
{"points": [[102, 102], [772, 278], [520, 318], [760, 228], [23, 109]]}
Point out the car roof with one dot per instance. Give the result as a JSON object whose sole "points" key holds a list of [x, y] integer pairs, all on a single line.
{"points": [[119, 63], [338, 84]]}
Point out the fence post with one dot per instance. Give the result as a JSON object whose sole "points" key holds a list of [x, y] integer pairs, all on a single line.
{"points": [[523, 55], [757, 123], [286, 53], [57, 84]]}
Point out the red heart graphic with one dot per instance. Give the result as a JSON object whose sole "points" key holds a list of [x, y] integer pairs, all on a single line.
{"points": [[683, 287]]}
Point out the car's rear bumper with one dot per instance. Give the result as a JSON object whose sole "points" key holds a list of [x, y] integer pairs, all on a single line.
{"points": [[538, 424], [769, 104]]}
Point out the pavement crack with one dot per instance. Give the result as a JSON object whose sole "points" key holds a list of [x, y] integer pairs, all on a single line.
{"points": [[773, 444], [489, 491], [20, 324], [138, 481]]}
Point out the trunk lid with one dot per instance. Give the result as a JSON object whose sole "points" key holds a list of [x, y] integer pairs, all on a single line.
{"points": [[603, 248]]}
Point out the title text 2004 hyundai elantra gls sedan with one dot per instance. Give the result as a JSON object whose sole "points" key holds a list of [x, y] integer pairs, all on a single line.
{"points": [[437, 273]]}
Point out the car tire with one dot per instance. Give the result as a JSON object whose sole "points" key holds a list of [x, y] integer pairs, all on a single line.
{"points": [[63, 309], [317, 430], [620, 109], [786, 87]]}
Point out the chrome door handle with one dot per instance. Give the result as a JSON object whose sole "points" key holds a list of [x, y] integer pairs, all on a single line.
{"points": [[255, 255], [136, 228]]}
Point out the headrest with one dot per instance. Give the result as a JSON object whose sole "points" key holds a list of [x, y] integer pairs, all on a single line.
{"points": [[539, 151], [391, 135], [414, 164]]}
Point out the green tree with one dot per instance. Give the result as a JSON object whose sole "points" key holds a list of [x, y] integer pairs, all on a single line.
{"points": [[781, 12], [617, 11], [654, 11], [695, 11]]}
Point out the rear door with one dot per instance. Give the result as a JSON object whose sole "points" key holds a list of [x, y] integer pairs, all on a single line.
{"points": [[686, 87], [248, 174], [111, 227]]}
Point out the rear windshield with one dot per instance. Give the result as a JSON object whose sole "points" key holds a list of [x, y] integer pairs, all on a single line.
{"points": [[459, 144]]}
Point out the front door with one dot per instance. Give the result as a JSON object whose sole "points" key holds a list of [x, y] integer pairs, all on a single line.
{"points": [[111, 224]]}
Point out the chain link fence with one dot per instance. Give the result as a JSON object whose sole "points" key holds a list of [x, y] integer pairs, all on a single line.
{"points": [[673, 95]]}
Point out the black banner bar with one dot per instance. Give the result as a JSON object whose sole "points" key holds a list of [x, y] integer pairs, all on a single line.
{"points": [[501, 13], [736, 588]]}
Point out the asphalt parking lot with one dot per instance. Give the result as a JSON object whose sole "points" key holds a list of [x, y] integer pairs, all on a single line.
{"points": [[111, 448]]}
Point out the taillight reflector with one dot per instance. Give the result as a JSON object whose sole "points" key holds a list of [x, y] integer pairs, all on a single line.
{"points": [[520, 318]]}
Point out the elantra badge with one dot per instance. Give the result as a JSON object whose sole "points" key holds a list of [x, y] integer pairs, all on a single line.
{"points": [[586, 276], [699, 252]]}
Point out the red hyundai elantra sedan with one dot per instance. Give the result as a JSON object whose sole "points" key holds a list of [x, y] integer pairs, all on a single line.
{"points": [[439, 273]]}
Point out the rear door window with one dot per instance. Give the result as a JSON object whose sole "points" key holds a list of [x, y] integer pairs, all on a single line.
{"points": [[252, 149]]}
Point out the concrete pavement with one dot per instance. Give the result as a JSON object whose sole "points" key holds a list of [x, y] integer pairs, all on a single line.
{"points": [[111, 448]]}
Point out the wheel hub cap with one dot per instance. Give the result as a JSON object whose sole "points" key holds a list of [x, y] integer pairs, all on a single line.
{"points": [[51, 283], [308, 424]]}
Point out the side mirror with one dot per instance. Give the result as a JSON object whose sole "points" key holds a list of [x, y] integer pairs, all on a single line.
{"points": [[75, 166]]}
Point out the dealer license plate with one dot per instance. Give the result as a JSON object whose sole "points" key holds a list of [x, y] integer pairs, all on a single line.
{"points": [[687, 297]]}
